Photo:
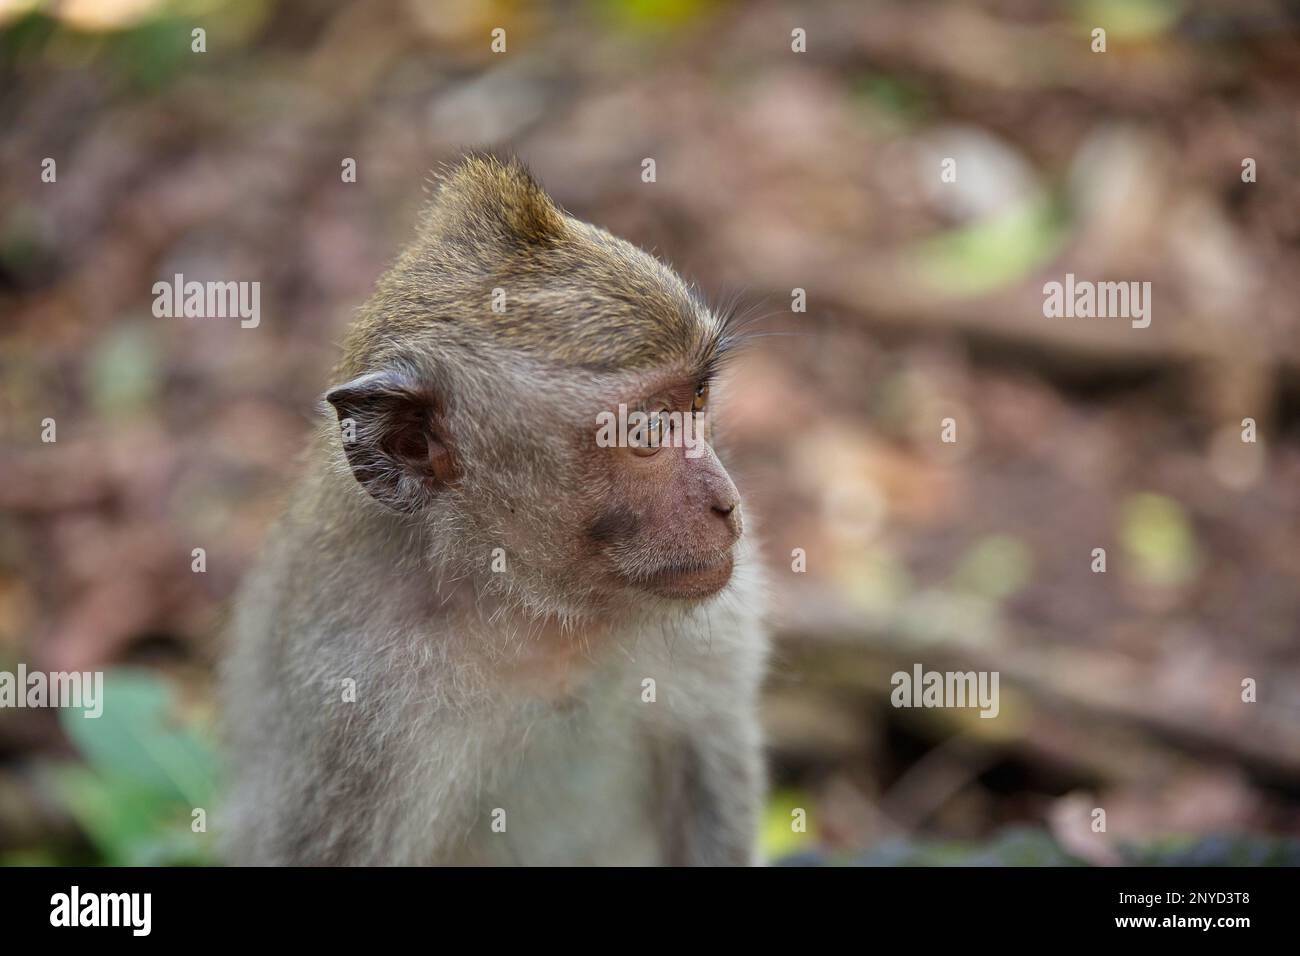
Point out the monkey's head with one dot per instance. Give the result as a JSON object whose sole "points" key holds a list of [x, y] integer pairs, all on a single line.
{"points": [[534, 394]]}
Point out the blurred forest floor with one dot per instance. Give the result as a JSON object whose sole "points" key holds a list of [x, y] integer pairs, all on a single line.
{"points": [[776, 171]]}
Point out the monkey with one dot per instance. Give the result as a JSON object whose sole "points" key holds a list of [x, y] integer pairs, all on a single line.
{"points": [[477, 635]]}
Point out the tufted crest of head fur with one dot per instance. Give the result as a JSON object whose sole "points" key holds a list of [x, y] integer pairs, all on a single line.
{"points": [[566, 293]]}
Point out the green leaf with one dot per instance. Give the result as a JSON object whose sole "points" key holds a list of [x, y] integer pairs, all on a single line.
{"points": [[1159, 538], [992, 253], [145, 771], [778, 838]]}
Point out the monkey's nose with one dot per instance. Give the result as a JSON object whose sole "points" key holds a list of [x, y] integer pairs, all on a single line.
{"points": [[729, 512]]}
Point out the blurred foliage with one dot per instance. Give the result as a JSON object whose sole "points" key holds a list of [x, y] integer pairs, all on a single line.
{"points": [[125, 372], [146, 771], [1219, 850], [1158, 535], [996, 567], [153, 53], [654, 15], [1130, 19], [990, 253], [903, 100], [146, 44], [778, 837], [1027, 846]]}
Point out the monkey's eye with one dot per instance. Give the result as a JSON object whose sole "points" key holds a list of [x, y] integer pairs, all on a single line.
{"points": [[701, 397], [649, 438]]}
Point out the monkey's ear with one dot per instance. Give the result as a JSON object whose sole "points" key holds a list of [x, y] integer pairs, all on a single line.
{"points": [[395, 438]]}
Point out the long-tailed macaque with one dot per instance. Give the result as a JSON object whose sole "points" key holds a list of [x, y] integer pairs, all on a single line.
{"points": [[491, 628]]}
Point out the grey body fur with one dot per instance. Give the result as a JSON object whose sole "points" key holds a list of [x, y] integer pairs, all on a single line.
{"points": [[411, 771]]}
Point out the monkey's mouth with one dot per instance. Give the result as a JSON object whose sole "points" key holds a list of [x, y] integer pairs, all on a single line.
{"points": [[690, 581]]}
